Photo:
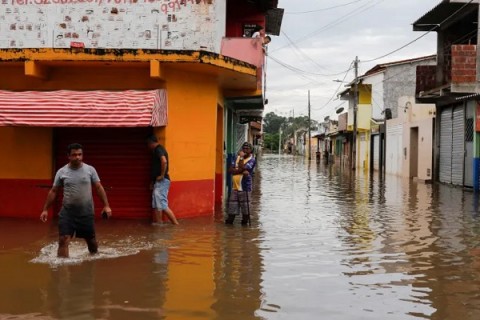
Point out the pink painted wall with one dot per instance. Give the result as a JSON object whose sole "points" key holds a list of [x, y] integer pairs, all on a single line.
{"points": [[244, 49]]}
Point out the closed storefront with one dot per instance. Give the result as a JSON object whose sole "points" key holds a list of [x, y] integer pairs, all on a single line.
{"points": [[111, 126], [363, 151], [122, 161], [452, 145], [376, 152], [394, 152]]}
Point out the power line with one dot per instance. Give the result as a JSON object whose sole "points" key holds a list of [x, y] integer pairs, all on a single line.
{"points": [[301, 51], [466, 36], [343, 18], [299, 72], [423, 35], [324, 9], [338, 88], [288, 66]]}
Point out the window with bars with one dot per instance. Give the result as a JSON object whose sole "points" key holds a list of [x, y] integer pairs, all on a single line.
{"points": [[469, 130]]}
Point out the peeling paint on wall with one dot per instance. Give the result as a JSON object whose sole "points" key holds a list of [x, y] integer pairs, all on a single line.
{"points": [[117, 24]]}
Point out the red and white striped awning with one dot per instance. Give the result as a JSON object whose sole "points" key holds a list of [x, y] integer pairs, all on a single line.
{"points": [[65, 108]]}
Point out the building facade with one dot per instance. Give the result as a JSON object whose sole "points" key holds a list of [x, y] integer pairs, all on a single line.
{"points": [[108, 75], [453, 86]]}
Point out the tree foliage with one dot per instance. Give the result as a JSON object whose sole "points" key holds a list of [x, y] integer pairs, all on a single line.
{"points": [[270, 141], [272, 122]]}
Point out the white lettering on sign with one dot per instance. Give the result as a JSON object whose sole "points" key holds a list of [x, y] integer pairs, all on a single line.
{"points": [[117, 24]]}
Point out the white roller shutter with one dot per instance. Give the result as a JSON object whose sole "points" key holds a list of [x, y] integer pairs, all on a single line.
{"points": [[376, 152], [458, 145], [446, 145]]}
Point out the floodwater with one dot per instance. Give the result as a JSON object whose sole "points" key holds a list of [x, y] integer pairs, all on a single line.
{"points": [[323, 244]]}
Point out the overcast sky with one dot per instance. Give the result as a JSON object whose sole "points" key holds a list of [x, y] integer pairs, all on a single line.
{"points": [[326, 36]]}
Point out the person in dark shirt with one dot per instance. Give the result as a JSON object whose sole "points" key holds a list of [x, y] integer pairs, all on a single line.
{"points": [[160, 181]]}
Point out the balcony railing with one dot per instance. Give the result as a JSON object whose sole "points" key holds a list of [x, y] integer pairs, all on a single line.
{"points": [[249, 50]]}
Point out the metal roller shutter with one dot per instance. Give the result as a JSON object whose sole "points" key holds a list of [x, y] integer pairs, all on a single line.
{"points": [[122, 161], [458, 145], [376, 152], [446, 131]]}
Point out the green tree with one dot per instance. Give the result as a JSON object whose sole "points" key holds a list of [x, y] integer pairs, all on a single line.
{"points": [[272, 122], [271, 141]]}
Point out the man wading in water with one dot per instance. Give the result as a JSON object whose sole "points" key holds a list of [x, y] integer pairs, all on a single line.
{"points": [[76, 218]]}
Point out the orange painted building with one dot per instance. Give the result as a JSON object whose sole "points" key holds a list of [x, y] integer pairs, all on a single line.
{"points": [[203, 92]]}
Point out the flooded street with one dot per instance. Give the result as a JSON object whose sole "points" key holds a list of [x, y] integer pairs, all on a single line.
{"points": [[322, 245]]}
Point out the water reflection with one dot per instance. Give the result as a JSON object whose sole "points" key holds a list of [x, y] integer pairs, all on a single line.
{"points": [[325, 242]]}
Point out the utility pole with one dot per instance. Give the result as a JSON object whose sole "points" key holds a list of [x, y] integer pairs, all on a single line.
{"points": [[309, 129], [355, 109], [280, 141]]}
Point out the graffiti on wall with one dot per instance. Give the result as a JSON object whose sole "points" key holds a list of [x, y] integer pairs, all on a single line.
{"points": [[119, 24]]}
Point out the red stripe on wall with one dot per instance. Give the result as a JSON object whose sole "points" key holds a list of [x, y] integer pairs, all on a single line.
{"points": [[218, 188], [192, 198], [23, 198]]}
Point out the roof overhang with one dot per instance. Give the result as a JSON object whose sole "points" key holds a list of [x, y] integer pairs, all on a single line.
{"points": [[231, 74], [65, 108], [248, 108], [443, 14], [253, 103]]}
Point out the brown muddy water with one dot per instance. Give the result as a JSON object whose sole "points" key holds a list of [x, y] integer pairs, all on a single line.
{"points": [[322, 245]]}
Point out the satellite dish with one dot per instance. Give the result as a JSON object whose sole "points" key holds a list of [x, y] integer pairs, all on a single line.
{"points": [[339, 110]]}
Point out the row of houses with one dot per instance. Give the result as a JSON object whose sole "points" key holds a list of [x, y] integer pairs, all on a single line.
{"points": [[418, 118], [107, 76]]}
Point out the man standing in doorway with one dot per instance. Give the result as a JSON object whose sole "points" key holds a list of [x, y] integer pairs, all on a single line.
{"points": [[239, 199], [160, 181], [76, 218]]}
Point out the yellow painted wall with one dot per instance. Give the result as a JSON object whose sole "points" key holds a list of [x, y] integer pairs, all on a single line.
{"points": [[190, 136], [364, 116], [81, 77], [26, 153], [365, 94]]}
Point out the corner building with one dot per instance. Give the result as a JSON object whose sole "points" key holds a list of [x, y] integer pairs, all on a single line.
{"points": [[107, 74]]}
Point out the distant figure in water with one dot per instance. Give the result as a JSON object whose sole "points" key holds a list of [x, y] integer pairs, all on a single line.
{"points": [[76, 218]]}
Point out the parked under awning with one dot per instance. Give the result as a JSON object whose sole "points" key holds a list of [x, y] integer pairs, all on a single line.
{"points": [[64, 108]]}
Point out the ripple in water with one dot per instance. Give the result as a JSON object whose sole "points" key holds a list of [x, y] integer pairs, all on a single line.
{"points": [[79, 253]]}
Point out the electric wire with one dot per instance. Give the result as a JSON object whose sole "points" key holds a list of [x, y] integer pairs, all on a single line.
{"points": [[423, 35], [343, 18], [303, 72], [302, 53], [325, 9], [336, 91], [299, 72]]}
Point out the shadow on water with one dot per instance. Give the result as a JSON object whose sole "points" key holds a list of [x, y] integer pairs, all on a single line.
{"points": [[325, 242]]}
